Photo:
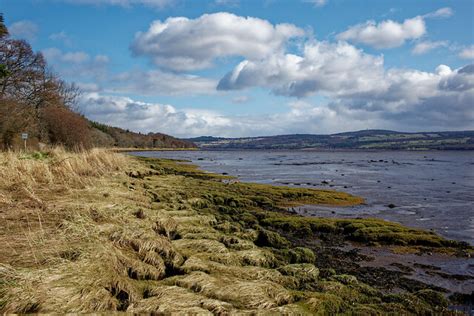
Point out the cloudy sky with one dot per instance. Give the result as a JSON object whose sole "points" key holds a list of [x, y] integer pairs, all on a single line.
{"points": [[260, 67]]}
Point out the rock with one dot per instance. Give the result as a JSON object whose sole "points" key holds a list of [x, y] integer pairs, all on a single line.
{"points": [[391, 205]]}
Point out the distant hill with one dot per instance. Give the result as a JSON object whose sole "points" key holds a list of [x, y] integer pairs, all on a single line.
{"points": [[108, 136], [366, 139]]}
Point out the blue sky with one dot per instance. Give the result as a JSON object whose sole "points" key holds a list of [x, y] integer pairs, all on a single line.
{"points": [[248, 68]]}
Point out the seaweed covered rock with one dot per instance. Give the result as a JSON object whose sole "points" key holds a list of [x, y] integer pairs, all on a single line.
{"points": [[267, 238]]}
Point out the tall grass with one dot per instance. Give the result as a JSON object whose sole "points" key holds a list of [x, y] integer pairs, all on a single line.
{"points": [[30, 174]]}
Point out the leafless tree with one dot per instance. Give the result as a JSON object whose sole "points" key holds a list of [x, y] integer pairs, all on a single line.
{"points": [[3, 28]]}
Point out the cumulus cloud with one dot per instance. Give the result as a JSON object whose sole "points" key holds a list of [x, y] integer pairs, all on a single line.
{"points": [[467, 52], [184, 44], [358, 81], [149, 117], [159, 82], [24, 29], [125, 3], [426, 46], [335, 68], [301, 117], [386, 34], [145, 117]]}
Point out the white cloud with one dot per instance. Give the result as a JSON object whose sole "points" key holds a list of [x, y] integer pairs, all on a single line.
{"points": [[240, 99], [159, 4], [467, 52], [317, 3], [386, 34], [61, 37], [76, 63], [358, 82], [426, 46], [55, 55], [445, 12], [324, 67], [88, 87], [145, 117], [390, 34], [24, 29], [159, 82], [185, 44], [301, 117], [228, 3]]}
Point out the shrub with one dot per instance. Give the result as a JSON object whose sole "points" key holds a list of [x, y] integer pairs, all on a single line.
{"points": [[66, 127]]}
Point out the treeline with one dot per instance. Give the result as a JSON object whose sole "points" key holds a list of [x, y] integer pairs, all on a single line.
{"points": [[36, 101], [108, 136]]}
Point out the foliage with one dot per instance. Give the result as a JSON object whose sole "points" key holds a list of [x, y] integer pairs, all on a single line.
{"points": [[126, 139], [66, 127]]}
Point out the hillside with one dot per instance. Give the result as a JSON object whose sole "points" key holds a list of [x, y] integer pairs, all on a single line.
{"points": [[108, 136], [366, 139]]}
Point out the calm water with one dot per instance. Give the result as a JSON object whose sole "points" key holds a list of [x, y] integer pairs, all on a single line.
{"points": [[432, 190]]}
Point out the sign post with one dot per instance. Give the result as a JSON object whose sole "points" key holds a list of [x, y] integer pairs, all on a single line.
{"points": [[24, 136]]}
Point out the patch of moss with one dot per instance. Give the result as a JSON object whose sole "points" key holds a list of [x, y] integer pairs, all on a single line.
{"points": [[296, 255], [268, 238], [36, 155]]}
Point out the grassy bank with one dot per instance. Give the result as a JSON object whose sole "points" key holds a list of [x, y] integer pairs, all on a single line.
{"points": [[99, 231]]}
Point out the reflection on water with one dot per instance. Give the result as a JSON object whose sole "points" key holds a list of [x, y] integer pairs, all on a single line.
{"points": [[432, 190]]}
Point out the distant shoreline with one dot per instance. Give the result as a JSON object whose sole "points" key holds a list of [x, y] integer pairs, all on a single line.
{"points": [[286, 149], [119, 150]]}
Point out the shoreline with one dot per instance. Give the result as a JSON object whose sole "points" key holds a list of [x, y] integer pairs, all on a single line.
{"points": [[121, 150], [426, 205], [142, 235]]}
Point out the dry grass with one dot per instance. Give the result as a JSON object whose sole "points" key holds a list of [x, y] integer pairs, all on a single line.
{"points": [[98, 231]]}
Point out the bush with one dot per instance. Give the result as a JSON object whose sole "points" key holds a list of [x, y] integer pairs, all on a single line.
{"points": [[66, 127]]}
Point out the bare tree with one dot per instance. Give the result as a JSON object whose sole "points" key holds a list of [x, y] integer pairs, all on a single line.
{"points": [[66, 127], [34, 99], [3, 28], [3, 33], [26, 76], [15, 118]]}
